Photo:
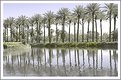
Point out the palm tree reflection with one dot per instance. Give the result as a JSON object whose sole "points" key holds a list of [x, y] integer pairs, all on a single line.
{"points": [[70, 57], [88, 53], [75, 57], [50, 61], [63, 51], [110, 62], [101, 60], [115, 57]]}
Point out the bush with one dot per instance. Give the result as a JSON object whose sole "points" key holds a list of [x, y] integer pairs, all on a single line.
{"points": [[79, 45]]}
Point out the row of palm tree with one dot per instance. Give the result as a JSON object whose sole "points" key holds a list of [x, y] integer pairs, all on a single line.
{"points": [[24, 28]]}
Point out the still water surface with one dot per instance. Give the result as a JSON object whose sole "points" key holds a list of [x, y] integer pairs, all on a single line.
{"points": [[60, 62]]}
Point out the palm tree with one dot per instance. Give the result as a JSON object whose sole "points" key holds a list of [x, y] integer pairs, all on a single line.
{"points": [[74, 21], [77, 12], [17, 22], [51, 34], [69, 22], [88, 19], [63, 13], [83, 13], [49, 15], [115, 15], [96, 26], [38, 19], [44, 22], [17, 28], [6, 25], [93, 9], [28, 31], [11, 23], [31, 21], [23, 23], [101, 16], [111, 9], [57, 21]]}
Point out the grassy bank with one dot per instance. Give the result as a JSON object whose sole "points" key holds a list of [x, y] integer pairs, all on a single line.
{"points": [[14, 45], [79, 45]]}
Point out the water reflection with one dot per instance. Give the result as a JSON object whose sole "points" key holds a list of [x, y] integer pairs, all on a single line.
{"points": [[62, 62]]}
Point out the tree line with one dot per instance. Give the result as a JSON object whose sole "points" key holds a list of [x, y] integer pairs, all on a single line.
{"points": [[33, 29]]}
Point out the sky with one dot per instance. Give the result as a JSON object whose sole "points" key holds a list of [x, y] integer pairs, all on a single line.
{"points": [[30, 9], [15, 10]]}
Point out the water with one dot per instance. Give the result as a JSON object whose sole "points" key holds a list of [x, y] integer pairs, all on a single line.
{"points": [[61, 62]]}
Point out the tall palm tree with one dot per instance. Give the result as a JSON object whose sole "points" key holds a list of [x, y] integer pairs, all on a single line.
{"points": [[111, 9], [44, 20], [63, 13], [57, 21], [88, 19], [28, 30], [115, 15], [96, 26], [23, 23], [6, 25], [77, 12], [31, 21], [83, 14], [101, 16], [92, 9], [74, 21], [17, 22], [38, 19], [17, 28], [69, 21], [49, 15], [11, 23]]}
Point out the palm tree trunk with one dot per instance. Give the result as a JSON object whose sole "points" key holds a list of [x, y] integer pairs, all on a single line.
{"points": [[101, 28], [74, 32], [44, 32], [88, 31], [23, 35], [96, 28], [92, 27], [16, 35], [114, 28], [28, 34], [19, 34], [82, 30], [78, 29], [56, 33], [69, 30], [39, 25], [110, 27], [49, 34], [7, 34], [11, 33], [37, 31], [63, 34], [32, 34]]}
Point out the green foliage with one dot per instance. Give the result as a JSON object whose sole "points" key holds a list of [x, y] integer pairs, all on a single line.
{"points": [[79, 45], [14, 45]]}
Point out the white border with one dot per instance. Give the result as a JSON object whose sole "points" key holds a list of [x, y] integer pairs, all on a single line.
{"points": [[2, 77]]}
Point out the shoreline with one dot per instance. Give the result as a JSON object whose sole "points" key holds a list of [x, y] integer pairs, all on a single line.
{"points": [[102, 45], [105, 45]]}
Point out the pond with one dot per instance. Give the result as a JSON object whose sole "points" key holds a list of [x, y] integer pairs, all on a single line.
{"points": [[61, 62]]}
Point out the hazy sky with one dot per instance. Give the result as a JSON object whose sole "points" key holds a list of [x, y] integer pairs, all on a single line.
{"points": [[30, 9]]}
